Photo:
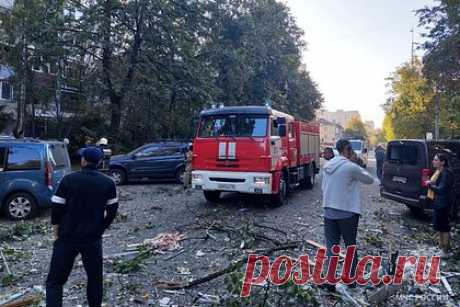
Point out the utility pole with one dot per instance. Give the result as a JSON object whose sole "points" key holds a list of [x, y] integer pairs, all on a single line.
{"points": [[412, 48]]}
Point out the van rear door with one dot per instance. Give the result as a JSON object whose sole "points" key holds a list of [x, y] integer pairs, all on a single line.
{"points": [[402, 169]]}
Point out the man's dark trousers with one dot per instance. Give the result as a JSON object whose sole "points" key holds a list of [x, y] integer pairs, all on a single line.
{"points": [[347, 228], [380, 171], [64, 254]]}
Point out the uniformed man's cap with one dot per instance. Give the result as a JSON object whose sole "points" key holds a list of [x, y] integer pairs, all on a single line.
{"points": [[91, 154]]}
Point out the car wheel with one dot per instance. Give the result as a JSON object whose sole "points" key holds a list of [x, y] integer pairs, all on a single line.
{"points": [[212, 196], [279, 198], [20, 206], [118, 176], [180, 174]]}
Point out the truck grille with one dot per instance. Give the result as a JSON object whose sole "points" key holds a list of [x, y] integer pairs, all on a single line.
{"points": [[226, 179]]}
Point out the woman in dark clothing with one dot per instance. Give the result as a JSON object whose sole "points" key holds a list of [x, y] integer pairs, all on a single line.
{"points": [[441, 186]]}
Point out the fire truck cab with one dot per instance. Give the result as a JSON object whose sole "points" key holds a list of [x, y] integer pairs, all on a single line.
{"points": [[253, 149]]}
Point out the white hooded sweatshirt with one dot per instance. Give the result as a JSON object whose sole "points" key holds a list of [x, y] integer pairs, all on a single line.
{"points": [[340, 185]]}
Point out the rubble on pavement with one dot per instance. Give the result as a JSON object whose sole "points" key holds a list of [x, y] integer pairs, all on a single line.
{"points": [[166, 238]]}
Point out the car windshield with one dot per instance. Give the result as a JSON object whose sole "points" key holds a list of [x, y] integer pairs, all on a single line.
{"points": [[240, 125], [356, 145]]}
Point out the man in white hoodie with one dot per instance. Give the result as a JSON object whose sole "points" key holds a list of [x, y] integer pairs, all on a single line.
{"points": [[342, 199]]}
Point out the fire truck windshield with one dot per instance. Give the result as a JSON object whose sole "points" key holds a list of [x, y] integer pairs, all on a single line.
{"points": [[234, 125]]}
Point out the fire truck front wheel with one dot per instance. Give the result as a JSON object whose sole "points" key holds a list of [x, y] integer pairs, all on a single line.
{"points": [[212, 196], [279, 198]]}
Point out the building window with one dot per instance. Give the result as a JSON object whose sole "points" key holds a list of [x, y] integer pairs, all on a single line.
{"points": [[6, 90]]}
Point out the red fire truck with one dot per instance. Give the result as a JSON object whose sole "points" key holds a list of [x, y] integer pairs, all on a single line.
{"points": [[253, 149]]}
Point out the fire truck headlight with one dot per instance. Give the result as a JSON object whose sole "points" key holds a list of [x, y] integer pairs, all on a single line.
{"points": [[196, 177], [262, 180]]}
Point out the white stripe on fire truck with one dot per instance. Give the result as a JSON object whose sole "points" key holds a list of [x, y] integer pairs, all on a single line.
{"points": [[232, 150], [222, 150]]}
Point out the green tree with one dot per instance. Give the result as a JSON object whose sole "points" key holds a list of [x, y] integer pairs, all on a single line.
{"points": [[442, 59], [355, 128], [255, 49], [146, 68], [388, 130], [409, 106], [31, 32]]}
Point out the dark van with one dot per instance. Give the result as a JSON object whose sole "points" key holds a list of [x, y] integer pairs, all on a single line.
{"points": [[408, 165], [30, 171]]}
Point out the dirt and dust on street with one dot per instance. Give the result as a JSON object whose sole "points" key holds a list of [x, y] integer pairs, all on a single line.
{"points": [[169, 247]]}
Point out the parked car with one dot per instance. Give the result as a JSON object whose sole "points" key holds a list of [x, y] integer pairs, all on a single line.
{"points": [[152, 161], [30, 171], [408, 165]]}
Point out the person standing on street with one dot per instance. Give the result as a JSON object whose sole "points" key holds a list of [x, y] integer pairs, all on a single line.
{"points": [[342, 199], [440, 192], [188, 167], [84, 206], [379, 158], [328, 153]]}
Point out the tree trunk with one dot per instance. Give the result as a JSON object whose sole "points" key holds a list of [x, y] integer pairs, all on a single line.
{"points": [[21, 100], [115, 116], [117, 97], [172, 103]]}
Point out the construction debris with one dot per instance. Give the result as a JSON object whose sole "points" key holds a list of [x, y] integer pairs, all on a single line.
{"points": [[447, 286], [197, 247], [162, 242], [23, 298], [8, 270]]}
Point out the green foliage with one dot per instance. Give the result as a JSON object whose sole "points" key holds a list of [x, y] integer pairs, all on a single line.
{"points": [[355, 128], [288, 294], [9, 280], [143, 70], [442, 60], [23, 230], [410, 106], [136, 264], [13, 254], [376, 137], [388, 130]]}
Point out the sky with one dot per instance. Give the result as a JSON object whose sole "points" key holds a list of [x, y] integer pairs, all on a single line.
{"points": [[353, 45]]}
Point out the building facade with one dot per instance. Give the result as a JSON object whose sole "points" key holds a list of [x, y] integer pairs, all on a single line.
{"points": [[339, 117], [330, 132]]}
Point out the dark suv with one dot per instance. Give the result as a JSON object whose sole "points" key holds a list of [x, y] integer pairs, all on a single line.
{"points": [[407, 166], [30, 171], [164, 160]]}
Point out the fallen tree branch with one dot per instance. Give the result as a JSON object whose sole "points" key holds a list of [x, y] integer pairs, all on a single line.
{"points": [[446, 285], [271, 228], [5, 262], [24, 301], [230, 268]]}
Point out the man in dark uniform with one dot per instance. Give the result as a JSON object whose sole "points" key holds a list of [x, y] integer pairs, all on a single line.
{"points": [[84, 206], [380, 158]]}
